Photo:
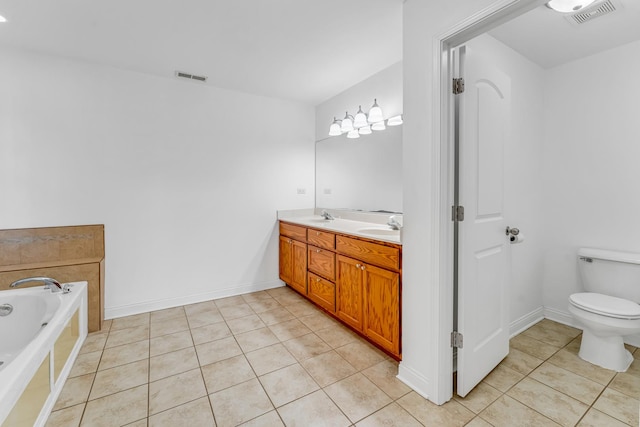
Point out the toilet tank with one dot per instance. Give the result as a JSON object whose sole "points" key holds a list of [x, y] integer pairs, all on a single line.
{"points": [[610, 272]]}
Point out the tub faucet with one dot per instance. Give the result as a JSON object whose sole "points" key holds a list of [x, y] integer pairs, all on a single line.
{"points": [[49, 283], [393, 223], [326, 215]]}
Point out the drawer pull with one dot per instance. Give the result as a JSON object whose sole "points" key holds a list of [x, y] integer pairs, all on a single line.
{"points": [[357, 265], [318, 251], [317, 279], [362, 268], [290, 241], [317, 233]]}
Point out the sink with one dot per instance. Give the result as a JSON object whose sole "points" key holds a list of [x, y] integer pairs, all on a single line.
{"points": [[379, 231], [320, 220]]}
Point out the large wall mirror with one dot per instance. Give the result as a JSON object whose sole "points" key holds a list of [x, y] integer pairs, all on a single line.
{"points": [[360, 174]]}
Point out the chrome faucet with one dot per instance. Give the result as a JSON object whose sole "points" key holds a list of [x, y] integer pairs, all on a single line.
{"points": [[49, 283], [393, 223], [326, 215]]}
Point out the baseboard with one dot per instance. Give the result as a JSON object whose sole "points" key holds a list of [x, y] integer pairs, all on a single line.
{"points": [[147, 306], [526, 321], [414, 380]]}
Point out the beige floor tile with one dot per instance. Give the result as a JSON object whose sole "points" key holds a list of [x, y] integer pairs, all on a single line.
{"points": [[168, 313], [328, 368], [114, 380], [337, 336], [127, 336], [532, 346], [139, 423], [212, 332], [508, 412], [521, 362], [170, 342], [269, 359], [626, 384], [478, 422], [117, 409], [85, 363], [634, 369], [130, 322], [503, 378], [67, 417], [317, 321], [75, 391], [245, 324], [619, 406], [124, 354], [383, 375], [262, 305], [168, 364], [230, 301], [254, 340], [574, 345], [174, 391], [94, 342], [106, 325], [595, 418], [357, 397], [480, 397], [557, 406], [547, 332], [168, 326], [201, 307], [576, 386], [215, 351], [226, 373], [315, 409], [256, 296], [204, 318], [390, 415], [302, 309], [571, 362], [270, 419], [360, 355], [276, 315], [429, 414], [287, 384], [240, 403], [235, 311], [290, 329], [306, 346], [193, 414]]}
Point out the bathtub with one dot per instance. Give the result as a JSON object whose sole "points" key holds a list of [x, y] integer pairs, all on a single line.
{"points": [[39, 341]]}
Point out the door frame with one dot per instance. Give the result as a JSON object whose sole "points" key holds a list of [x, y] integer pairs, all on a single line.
{"points": [[496, 14]]}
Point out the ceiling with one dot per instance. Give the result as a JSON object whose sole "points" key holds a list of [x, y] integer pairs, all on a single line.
{"points": [[548, 39], [302, 50]]}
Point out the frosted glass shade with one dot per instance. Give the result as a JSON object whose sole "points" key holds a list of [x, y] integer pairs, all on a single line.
{"points": [[394, 121], [361, 119], [378, 126], [365, 130], [353, 134], [334, 129], [347, 123], [375, 113]]}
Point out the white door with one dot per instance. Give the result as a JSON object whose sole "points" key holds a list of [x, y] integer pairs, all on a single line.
{"points": [[483, 246]]}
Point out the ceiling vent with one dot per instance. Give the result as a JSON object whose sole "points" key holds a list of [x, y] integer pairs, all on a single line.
{"points": [[593, 12], [190, 76]]}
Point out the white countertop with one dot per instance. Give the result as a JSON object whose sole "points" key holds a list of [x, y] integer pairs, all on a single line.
{"points": [[369, 230]]}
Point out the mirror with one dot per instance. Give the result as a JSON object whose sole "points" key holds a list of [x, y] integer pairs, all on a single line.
{"points": [[362, 174]]}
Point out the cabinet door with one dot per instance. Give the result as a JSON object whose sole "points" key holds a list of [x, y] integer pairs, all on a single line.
{"points": [[349, 291], [382, 307], [299, 271], [286, 259], [322, 292]]}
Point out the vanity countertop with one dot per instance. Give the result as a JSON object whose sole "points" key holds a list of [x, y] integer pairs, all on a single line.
{"points": [[369, 230]]}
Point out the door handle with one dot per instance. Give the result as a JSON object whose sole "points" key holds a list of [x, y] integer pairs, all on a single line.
{"points": [[512, 231]]}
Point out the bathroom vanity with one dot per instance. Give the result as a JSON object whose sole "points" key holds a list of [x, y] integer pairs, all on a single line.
{"points": [[350, 269]]}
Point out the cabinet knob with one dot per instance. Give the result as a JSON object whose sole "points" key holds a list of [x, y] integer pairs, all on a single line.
{"points": [[290, 241], [317, 233], [318, 251], [357, 265], [362, 268], [317, 279]]}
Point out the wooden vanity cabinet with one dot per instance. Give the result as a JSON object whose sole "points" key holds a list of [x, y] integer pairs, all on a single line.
{"points": [[293, 257]]}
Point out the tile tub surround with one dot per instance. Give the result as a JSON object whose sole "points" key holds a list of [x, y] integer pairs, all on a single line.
{"points": [[284, 363]]}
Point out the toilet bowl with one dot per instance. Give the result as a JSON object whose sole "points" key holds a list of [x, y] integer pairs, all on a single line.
{"points": [[608, 310]]}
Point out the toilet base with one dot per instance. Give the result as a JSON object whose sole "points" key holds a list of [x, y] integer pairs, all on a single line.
{"points": [[607, 352]]}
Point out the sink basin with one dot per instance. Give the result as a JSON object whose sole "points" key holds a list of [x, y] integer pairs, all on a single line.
{"points": [[379, 231]]}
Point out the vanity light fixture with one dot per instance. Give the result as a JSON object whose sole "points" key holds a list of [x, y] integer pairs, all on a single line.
{"points": [[365, 130], [334, 130], [361, 118], [395, 121], [352, 134], [347, 123], [375, 113], [568, 6]]}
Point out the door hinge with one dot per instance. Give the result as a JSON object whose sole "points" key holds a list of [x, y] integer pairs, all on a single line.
{"points": [[457, 213], [458, 86], [456, 339]]}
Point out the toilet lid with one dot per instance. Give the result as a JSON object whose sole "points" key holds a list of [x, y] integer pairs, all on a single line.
{"points": [[606, 305]]}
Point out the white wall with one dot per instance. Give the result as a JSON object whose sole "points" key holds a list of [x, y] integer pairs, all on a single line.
{"points": [[590, 169], [186, 177]]}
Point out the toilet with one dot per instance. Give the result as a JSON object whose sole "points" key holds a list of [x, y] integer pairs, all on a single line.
{"points": [[609, 308]]}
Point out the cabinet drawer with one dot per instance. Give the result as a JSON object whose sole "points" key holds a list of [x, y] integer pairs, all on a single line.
{"points": [[322, 292], [373, 253], [322, 262], [321, 239], [294, 231]]}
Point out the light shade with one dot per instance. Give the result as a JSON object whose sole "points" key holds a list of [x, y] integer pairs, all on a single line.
{"points": [[394, 121], [347, 123], [3, 19], [361, 118], [353, 134], [365, 130], [378, 126], [334, 129], [375, 113], [568, 6]]}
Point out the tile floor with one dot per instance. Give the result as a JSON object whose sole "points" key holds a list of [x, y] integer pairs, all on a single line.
{"points": [[271, 359]]}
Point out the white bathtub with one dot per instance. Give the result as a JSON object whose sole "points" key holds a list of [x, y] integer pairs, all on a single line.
{"points": [[41, 326]]}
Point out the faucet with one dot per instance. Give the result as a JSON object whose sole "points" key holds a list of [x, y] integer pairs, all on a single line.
{"points": [[326, 215], [49, 283], [393, 223]]}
